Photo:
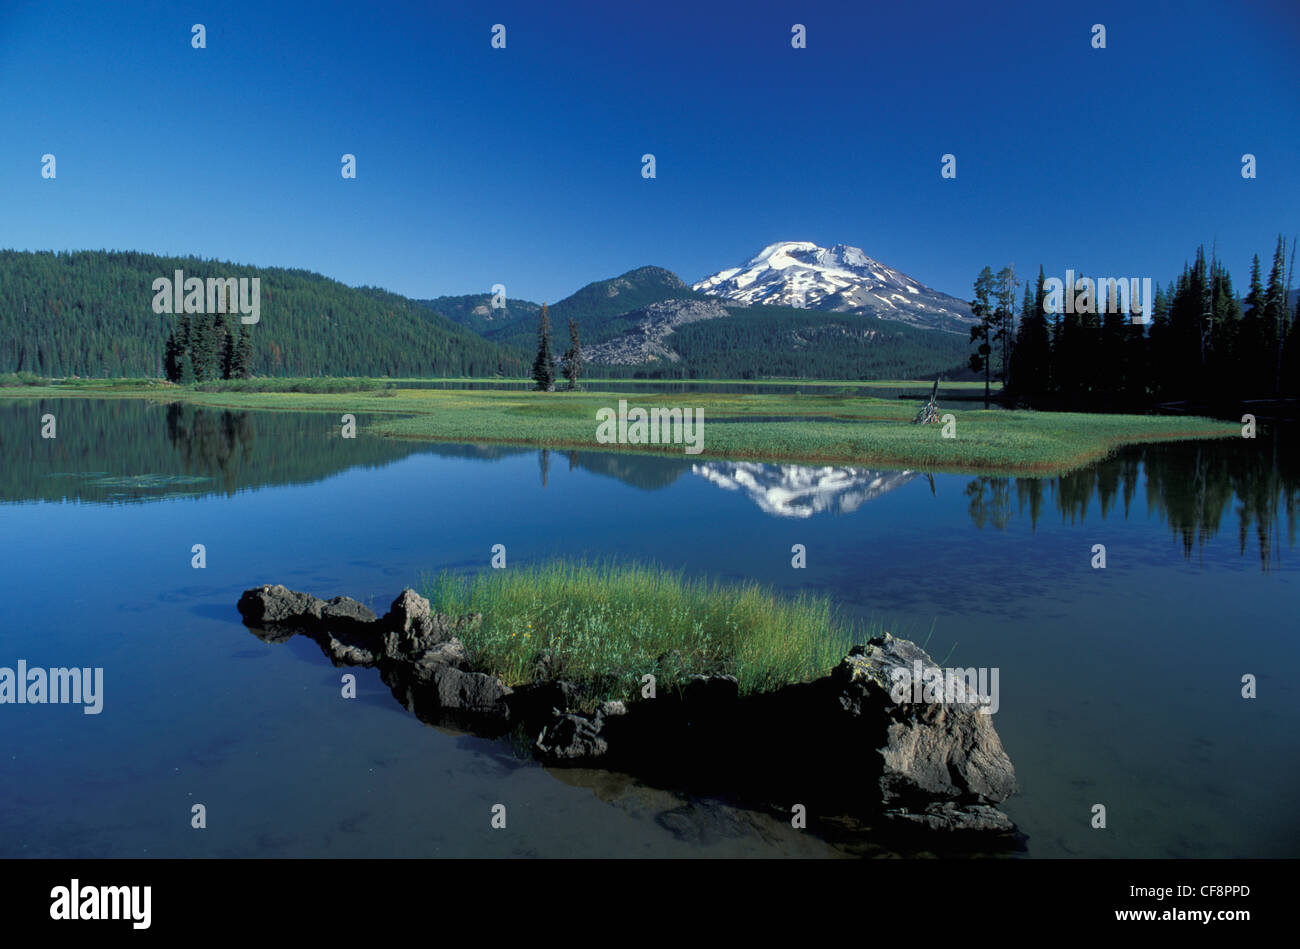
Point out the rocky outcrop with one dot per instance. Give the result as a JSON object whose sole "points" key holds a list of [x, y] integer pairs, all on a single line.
{"points": [[648, 339], [419, 654], [839, 744]]}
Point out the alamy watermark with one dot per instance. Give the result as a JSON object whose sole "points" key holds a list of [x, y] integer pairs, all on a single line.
{"points": [[657, 426], [1118, 295], [932, 685], [75, 901], [58, 686], [194, 295]]}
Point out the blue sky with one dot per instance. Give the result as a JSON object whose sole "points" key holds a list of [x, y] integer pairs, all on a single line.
{"points": [[522, 166]]}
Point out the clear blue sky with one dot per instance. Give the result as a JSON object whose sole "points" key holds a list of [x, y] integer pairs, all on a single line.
{"points": [[522, 166]]}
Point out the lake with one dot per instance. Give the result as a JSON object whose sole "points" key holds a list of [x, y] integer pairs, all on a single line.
{"points": [[1119, 686]]}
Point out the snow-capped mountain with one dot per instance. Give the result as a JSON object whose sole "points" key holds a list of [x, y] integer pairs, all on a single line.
{"points": [[841, 279], [802, 491]]}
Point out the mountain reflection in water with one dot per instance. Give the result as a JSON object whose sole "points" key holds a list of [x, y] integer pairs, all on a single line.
{"points": [[123, 451]]}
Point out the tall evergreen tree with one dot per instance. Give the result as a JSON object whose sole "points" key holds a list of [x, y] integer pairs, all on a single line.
{"points": [[1071, 347], [241, 363], [172, 354], [225, 347], [544, 364], [202, 344], [573, 356], [1005, 320], [1032, 354], [1291, 356], [1225, 341], [1112, 354], [982, 308], [1274, 316]]}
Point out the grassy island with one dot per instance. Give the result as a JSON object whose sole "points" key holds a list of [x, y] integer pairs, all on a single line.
{"points": [[604, 626], [813, 426]]}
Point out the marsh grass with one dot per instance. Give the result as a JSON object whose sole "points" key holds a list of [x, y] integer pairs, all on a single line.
{"points": [[275, 384], [605, 626]]}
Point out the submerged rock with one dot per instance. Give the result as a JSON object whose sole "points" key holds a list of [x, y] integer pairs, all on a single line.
{"points": [[840, 744]]}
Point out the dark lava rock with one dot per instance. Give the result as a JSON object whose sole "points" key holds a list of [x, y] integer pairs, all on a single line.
{"points": [[274, 605], [839, 744], [571, 737], [930, 750], [947, 816], [411, 629], [345, 609], [469, 691]]}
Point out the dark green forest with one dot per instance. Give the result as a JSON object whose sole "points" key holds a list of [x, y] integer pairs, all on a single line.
{"points": [[474, 311], [89, 313], [1206, 345]]}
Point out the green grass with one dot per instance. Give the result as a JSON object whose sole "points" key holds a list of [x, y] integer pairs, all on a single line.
{"points": [[986, 442], [275, 384], [605, 626]]}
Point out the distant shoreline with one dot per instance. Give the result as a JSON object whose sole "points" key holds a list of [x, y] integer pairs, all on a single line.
{"points": [[1011, 442]]}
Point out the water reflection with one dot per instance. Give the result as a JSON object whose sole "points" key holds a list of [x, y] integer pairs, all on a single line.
{"points": [[1191, 486], [800, 491], [114, 451], [130, 450]]}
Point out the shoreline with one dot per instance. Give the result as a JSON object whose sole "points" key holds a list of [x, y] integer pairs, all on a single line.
{"points": [[988, 442]]}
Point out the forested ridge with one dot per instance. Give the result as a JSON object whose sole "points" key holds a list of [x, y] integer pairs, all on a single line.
{"points": [[785, 342], [89, 313]]}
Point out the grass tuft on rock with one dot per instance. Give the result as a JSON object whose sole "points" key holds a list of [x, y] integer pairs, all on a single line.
{"points": [[605, 626]]}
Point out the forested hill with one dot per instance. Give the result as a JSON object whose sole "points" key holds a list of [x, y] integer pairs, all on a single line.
{"points": [[475, 312], [89, 313]]}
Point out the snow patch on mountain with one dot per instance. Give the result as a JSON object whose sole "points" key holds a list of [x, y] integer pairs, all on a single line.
{"points": [[839, 279]]}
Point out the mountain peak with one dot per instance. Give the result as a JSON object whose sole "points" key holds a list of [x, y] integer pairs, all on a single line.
{"points": [[841, 279]]}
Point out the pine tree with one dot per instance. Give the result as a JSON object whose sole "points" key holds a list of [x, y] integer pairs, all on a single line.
{"points": [[225, 344], [1159, 342], [1274, 322], [573, 356], [1032, 354], [982, 308], [1005, 320], [184, 332], [172, 358], [241, 363], [1112, 357], [1291, 356], [201, 343], [544, 364], [1225, 342], [225, 347], [1250, 339]]}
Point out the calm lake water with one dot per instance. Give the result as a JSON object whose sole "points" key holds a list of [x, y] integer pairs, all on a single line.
{"points": [[1119, 687]]}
